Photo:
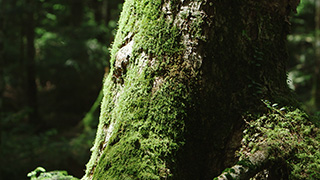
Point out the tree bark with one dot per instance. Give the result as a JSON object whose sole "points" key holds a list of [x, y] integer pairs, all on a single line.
{"points": [[77, 12], [96, 5], [2, 80], [184, 74], [30, 63], [316, 84], [2, 24]]}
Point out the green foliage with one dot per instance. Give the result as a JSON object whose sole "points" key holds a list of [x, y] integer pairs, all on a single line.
{"points": [[288, 134], [301, 53], [71, 54], [49, 148], [40, 174], [71, 40]]}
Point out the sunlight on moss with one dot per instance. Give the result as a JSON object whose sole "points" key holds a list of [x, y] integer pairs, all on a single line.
{"points": [[40, 174]]}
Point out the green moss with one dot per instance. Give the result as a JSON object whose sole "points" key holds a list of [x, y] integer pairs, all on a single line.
{"points": [[156, 35], [146, 21], [289, 135], [246, 163], [40, 174], [147, 129]]}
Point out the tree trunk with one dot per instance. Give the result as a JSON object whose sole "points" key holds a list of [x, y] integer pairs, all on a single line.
{"points": [[106, 11], [77, 12], [2, 24], [96, 5], [30, 63], [2, 78], [316, 84], [184, 75]]}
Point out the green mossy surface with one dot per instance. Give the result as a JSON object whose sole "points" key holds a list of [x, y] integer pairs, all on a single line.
{"points": [[40, 174], [289, 136], [147, 127], [145, 140]]}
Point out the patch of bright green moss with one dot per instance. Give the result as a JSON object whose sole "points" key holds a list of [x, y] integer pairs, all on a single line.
{"points": [[147, 127], [40, 174], [148, 131], [289, 135]]}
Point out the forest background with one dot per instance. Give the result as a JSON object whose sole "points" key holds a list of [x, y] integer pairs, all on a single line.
{"points": [[53, 57]]}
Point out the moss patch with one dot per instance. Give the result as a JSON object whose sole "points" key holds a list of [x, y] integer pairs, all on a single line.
{"points": [[140, 130], [290, 136], [148, 131], [40, 174]]}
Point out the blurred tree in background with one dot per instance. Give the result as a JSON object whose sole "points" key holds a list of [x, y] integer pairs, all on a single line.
{"points": [[304, 51], [53, 55], [316, 84]]}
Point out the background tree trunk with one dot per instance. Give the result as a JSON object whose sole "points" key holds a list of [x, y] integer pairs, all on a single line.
{"points": [[77, 12], [2, 84], [2, 24], [316, 84], [30, 62], [183, 75]]}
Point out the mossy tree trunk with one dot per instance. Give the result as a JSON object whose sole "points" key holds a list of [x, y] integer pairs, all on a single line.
{"points": [[184, 75]]}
